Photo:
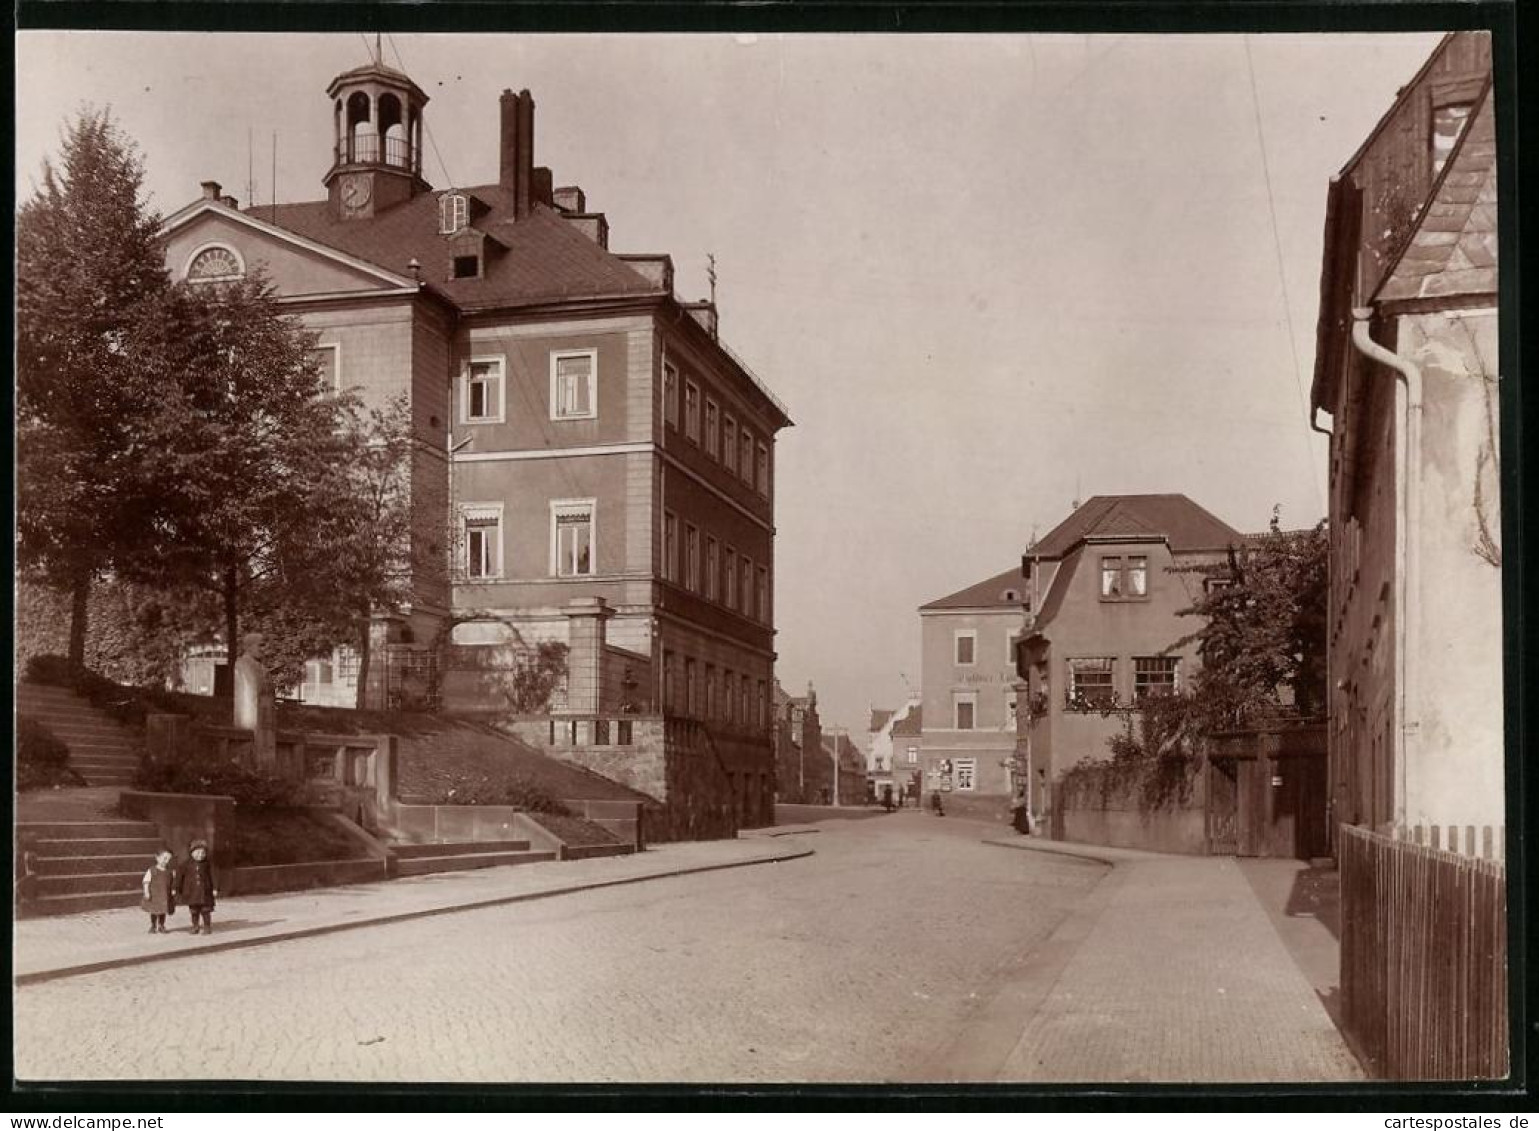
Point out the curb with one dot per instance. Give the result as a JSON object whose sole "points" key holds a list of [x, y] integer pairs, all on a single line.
{"points": [[37, 976], [1053, 848]]}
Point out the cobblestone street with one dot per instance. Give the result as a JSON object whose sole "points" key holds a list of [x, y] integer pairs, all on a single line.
{"points": [[866, 961]]}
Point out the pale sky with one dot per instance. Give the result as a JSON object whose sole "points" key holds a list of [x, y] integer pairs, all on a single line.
{"points": [[987, 274]]}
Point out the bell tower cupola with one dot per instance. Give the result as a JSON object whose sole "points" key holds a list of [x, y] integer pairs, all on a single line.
{"points": [[377, 141]]}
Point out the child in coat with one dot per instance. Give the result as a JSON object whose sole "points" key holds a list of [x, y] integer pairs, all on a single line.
{"points": [[159, 894], [195, 886]]}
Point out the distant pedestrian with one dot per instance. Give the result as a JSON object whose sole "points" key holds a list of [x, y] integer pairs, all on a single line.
{"points": [[1020, 812], [196, 886], [887, 797], [159, 894], [936, 805]]}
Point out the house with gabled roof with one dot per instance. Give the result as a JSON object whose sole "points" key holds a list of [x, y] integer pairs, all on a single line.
{"points": [[593, 465], [1406, 375], [968, 693], [1103, 592]]}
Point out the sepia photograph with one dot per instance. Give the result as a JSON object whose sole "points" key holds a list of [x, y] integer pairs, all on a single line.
{"points": [[759, 558]]}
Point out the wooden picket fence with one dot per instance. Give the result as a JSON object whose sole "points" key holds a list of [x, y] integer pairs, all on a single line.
{"points": [[1423, 957]]}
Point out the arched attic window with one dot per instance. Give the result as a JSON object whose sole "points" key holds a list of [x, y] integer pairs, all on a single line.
{"points": [[215, 264], [453, 213]]}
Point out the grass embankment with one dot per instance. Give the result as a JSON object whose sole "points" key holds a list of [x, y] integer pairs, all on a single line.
{"points": [[441, 761], [285, 836]]}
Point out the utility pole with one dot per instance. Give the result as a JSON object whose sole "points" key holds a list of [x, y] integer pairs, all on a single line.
{"points": [[836, 732]]}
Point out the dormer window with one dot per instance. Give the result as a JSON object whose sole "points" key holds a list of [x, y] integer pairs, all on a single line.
{"points": [[453, 214], [467, 266], [217, 264], [1448, 124]]}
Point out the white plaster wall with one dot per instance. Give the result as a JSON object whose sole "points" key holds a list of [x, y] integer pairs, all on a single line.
{"points": [[1454, 775]]}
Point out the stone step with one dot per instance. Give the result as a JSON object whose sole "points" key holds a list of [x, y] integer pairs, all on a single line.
{"points": [[145, 846], [74, 904], [462, 848], [114, 740], [107, 778], [95, 883], [428, 865], [91, 757], [91, 865], [86, 830], [47, 692], [102, 729]]}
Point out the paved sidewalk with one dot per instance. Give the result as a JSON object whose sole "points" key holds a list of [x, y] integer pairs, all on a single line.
{"points": [[1177, 973], [61, 946]]}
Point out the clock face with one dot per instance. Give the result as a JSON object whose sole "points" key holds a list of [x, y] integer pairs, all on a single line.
{"points": [[356, 190]]}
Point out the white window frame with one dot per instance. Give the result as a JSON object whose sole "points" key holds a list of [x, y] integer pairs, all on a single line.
{"points": [[712, 568], [558, 356], [763, 476], [453, 213], [745, 456], [1010, 642], [960, 699], [484, 515], [1130, 571], [969, 634], [729, 571], [764, 595], [911, 756], [336, 363], [691, 411], [964, 770], [712, 423], [566, 508], [671, 394], [1175, 676], [745, 585], [729, 442], [499, 380]]}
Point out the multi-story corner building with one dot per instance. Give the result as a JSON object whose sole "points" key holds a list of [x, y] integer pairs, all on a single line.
{"points": [[592, 465], [968, 680], [1406, 368], [1105, 589]]}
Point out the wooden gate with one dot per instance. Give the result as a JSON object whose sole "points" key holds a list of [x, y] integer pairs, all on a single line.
{"points": [[1267, 793]]}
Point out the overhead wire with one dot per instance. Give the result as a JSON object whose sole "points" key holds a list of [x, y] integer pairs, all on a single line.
{"points": [[1282, 277]]}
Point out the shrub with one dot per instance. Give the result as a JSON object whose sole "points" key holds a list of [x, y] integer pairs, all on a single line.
{"points": [[42, 759], [52, 670], [191, 769]]}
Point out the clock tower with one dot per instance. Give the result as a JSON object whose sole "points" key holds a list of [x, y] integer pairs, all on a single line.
{"points": [[377, 147]]}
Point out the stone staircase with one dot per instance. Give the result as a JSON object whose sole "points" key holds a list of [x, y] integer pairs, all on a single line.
{"points": [[425, 859], [101, 750], [83, 865]]}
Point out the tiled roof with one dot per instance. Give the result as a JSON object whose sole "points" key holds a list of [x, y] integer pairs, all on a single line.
{"points": [[879, 718], [1174, 519], [1453, 248], [911, 724], [985, 594], [540, 258]]}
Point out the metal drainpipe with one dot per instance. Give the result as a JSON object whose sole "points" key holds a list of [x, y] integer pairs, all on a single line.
{"points": [[1407, 538]]}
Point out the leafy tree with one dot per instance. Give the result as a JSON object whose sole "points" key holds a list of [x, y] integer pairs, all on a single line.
{"points": [[372, 568], [89, 276], [255, 454], [1262, 642], [1262, 646]]}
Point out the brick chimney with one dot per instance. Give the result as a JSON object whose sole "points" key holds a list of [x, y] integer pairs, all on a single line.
{"points": [[211, 189], [516, 149]]}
